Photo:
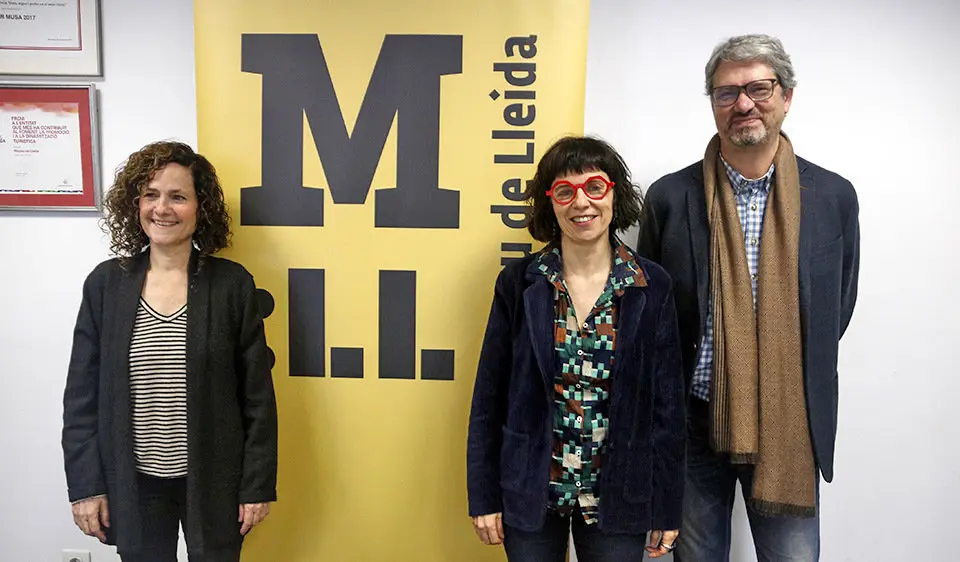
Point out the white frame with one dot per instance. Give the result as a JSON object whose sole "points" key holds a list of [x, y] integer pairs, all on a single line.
{"points": [[40, 62]]}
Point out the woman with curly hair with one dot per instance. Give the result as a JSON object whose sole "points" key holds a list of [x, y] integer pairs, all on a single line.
{"points": [[169, 415]]}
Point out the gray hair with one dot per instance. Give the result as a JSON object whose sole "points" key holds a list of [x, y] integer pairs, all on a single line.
{"points": [[761, 48]]}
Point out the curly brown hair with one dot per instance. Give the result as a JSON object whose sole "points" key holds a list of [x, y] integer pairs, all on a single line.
{"points": [[575, 155], [121, 218]]}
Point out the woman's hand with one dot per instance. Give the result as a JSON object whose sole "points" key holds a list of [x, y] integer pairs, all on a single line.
{"points": [[489, 528], [662, 543], [92, 515], [251, 514]]}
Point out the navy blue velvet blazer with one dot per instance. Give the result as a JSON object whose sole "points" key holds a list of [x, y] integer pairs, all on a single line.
{"points": [[511, 419], [675, 234]]}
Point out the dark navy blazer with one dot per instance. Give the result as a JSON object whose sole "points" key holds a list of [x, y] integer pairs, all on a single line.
{"points": [[511, 420], [674, 233]]}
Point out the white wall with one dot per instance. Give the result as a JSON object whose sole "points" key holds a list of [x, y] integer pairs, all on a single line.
{"points": [[860, 110], [147, 94]]}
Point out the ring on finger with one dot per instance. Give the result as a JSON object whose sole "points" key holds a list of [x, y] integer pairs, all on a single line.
{"points": [[668, 547]]}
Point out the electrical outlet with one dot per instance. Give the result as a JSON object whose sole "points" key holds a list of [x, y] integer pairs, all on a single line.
{"points": [[75, 556]]}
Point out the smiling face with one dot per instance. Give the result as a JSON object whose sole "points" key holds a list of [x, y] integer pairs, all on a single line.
{"points": [[168, 207], [748, 122], [584, 220]]}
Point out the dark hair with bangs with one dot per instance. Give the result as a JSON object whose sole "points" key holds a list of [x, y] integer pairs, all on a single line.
{"points": [[576, 155]]}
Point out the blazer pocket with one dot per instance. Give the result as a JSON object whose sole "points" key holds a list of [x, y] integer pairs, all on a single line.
{"points": [[514, 453]]}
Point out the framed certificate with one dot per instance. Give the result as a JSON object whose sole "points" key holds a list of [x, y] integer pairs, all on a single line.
{"points": [[41, 38], [48, 148]]}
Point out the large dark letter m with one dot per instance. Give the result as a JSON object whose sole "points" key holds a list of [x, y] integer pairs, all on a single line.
{"points": [[405, 83]]}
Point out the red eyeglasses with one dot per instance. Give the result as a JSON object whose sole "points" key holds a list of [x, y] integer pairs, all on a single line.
{"points": [[564, 192]]}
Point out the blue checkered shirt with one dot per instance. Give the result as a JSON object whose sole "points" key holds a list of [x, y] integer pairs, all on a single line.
{"points": [[751, 201]]}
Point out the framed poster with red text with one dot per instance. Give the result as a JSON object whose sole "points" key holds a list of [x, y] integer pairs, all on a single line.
{"points": [[48, 148]]}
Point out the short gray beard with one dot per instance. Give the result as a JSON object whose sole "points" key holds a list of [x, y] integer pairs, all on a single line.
{"points": [[750, 137]]}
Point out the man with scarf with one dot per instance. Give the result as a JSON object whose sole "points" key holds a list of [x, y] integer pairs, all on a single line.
{"points": [[763, 249]]}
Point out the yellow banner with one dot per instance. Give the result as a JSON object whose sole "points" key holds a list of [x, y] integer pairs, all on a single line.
{"points": [[373, 156]]}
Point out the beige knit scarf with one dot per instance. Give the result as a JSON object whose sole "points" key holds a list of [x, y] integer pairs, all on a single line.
{"points": [[758, 406]]}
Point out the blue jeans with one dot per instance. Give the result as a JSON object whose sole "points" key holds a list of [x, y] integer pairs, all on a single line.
{"points": [[708, 502], [549, 544]]}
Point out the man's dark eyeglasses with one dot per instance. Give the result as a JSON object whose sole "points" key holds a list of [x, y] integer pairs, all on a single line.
{"points": [[758, 90]]}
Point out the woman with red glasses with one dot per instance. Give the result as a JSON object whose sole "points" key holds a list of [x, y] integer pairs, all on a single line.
{"points": [[578, 417]]}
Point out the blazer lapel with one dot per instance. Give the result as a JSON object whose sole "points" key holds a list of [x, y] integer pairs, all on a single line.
{"points": [[125, 301], [538, 308], [198, 315], [629, 311], [807, 220], [699, 241]]}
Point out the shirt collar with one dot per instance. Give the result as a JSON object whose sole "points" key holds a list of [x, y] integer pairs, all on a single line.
{"points": [[741, 184], [625, 272]]}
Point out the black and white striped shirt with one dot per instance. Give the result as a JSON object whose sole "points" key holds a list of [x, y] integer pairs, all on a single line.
{"points": [[158, 391]]}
